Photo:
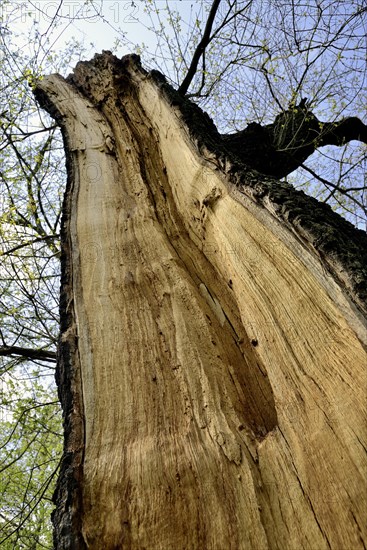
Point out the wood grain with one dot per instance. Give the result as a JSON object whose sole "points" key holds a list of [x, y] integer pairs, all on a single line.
{"points": [[223, 371]]}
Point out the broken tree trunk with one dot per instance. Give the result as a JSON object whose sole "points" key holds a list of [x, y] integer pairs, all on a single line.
{"points": [[212, 363]]}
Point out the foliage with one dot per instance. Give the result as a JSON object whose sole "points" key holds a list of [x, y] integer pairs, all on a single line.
{"points": [[30, 442]]}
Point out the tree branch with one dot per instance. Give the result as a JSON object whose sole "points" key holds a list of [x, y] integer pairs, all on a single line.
{"points": [[40, 354], [28, 243], [279, 148], [200, 49], [340, 133]]}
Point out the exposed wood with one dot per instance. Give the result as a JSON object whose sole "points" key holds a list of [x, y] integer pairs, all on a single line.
{"points": [[213, 366]]}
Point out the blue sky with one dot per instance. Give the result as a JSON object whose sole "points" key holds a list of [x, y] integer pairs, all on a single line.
{"points": [[96, 24]]}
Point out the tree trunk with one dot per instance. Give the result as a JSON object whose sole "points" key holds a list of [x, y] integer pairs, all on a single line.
{"points": [[212, 362]]}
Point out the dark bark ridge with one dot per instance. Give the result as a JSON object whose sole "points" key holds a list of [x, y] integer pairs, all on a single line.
{"points": [[65, 517], [67, 496]]}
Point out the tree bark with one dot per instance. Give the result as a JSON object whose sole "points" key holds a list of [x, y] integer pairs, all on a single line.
{"points": [[213, 340], [279, 148]]}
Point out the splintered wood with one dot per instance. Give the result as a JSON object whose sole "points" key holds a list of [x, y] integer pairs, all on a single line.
{"points": [[222, 369]]}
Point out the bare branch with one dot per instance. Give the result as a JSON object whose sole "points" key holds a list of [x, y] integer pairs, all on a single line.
{"points": [[39, 354], [200, 49]]}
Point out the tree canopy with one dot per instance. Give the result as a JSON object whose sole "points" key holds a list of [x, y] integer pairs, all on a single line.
{"points": [[281, 79]]}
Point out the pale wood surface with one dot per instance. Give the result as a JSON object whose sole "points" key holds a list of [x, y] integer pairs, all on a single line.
{"points": [[223, 371]]}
